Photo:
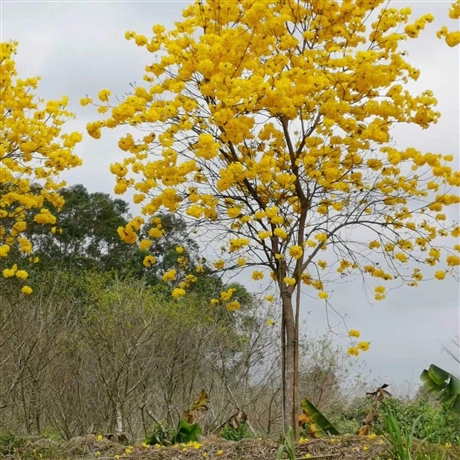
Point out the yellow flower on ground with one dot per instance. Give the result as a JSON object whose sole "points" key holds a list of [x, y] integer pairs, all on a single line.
{"points": [[270, 322], [149, 261], [26, 290], [178, 292], [144, 245], [9, 272], [170, 275], [22, 274]]}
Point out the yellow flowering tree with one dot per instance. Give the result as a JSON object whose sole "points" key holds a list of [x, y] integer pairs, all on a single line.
{"points": [[32, 151], [267, 125], [452, 38]]}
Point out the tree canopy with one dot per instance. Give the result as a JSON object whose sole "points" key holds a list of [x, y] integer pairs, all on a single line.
{"points": [[33, 149]]}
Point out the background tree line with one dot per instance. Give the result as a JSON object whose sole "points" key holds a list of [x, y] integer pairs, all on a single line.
{"points": [[102, 344]]}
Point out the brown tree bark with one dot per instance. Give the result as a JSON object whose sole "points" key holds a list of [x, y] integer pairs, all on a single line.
{"points": [[289, 364]]}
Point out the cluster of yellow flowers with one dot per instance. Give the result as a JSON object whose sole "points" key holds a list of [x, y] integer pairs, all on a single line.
{"points": [[360, 346], [452, 38], [291, 147], [33, 150]]}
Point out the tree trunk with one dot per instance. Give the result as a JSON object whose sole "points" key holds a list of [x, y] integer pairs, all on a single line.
{"points": [[290, 356]]}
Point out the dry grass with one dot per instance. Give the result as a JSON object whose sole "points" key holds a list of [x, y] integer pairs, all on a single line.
{"points": [[213, 448]]}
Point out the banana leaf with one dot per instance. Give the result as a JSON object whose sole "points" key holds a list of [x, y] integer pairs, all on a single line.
{"points": [[444, 385], [318, 424], [187, 432]]}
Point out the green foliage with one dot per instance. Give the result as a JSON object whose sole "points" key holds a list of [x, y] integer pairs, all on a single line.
{"points": [[184, 433], [444, 385], [187, 432], [400, 438], [315, 422], [404, 442], [86, 232], [9, 442], [436, 424], [235, 434], [288, 446]]}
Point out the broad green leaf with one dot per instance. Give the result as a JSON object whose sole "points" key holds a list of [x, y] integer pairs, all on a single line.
{"points": [[444, 385], [318, 424]]}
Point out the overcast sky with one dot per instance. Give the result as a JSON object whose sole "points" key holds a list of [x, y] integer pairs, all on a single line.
{"points": [[78, 48]]}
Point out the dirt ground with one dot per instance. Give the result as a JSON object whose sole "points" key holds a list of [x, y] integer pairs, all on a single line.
{"points": [[212, 448]]}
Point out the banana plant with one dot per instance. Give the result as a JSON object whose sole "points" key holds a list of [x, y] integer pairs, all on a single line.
{"points": [[444, 385], [316, 423]]}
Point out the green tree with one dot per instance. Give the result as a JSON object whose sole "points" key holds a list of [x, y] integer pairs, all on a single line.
{"points": [[85, 235]]}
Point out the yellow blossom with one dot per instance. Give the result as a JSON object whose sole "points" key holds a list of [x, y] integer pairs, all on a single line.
{"points": [[103, 95], [440, 274], [257, 275], [22, 274], [149, 261], [170, 275], [178, 292], [144, 245], [280, 232], [296, 252], [353, 351], [219, 264], [232, 306], [26, 290], [363, 346]]}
